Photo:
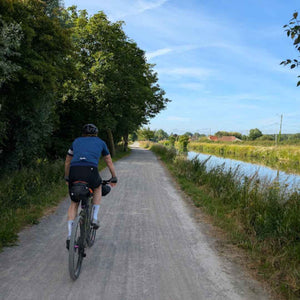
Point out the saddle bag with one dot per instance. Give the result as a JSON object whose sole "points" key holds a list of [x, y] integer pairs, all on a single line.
{"points": [[79, 191]]}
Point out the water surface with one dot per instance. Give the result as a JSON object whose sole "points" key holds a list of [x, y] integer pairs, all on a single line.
{"points": [[249, 169]]}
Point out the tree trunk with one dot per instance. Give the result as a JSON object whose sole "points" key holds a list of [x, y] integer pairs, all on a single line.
{"points": [[111, 144], [125, 139]]}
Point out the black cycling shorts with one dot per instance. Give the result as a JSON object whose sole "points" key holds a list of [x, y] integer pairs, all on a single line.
{"points": [[85, 173]]}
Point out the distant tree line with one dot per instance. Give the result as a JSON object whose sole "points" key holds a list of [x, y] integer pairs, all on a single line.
{"points": [[60, 69], [255, 134]]}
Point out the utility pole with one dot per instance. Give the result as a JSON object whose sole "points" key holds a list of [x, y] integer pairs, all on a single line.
{"points": [[279, 135]]}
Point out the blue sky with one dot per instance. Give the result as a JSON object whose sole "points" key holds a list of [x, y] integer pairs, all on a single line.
{"points": [[218, 61]]}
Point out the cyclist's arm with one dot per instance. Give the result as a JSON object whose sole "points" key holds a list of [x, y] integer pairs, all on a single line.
{"points": [[109, 163], [67, 165]]}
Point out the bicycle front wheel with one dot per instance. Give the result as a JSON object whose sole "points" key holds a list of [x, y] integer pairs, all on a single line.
{"points": [[91, 235], [76, 250]]}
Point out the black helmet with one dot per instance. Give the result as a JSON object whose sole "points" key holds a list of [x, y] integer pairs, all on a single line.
{"points": [[89, 129]]}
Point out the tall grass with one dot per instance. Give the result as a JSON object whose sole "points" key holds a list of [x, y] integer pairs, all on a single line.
{"points": [[283, 157], [259, 216], [25, 194]]}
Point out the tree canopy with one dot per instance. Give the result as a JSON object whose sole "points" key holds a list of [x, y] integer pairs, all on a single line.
{"points": [[61, 68], [254, 134]]}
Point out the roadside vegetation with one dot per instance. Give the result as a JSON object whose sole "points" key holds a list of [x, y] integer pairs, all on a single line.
{"points": [[26, 195], [60, 69], [260, 217], [282, 153]]}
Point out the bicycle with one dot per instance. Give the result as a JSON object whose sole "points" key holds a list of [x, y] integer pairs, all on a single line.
{"points": [[83, 233]]}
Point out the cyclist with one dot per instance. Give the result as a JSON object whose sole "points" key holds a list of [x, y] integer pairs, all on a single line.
{"points": [[81, 164]]}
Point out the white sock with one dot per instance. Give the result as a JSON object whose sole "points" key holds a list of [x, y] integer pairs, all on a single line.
{"points": [[95, 211], [70, 224]]}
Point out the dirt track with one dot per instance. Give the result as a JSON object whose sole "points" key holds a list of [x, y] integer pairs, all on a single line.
{"points": [[148, 247]]}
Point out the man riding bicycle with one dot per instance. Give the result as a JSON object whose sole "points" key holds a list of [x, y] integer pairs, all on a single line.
{"points": [[81, 164]]}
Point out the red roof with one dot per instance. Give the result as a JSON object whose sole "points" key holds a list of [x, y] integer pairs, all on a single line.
{"points": [[213, 138], [230, 138]]}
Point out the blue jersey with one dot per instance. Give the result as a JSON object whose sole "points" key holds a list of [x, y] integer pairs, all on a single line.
{"points": [[86, 151]]}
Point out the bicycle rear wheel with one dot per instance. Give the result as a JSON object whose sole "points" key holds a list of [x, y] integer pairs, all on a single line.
{"points": [[76, 251]]}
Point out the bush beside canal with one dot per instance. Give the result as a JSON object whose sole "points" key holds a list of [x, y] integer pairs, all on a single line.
{"points": [[259, 217], [283, 157]]}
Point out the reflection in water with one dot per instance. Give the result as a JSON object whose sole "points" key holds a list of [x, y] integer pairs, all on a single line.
{"points": [[248, 169]]}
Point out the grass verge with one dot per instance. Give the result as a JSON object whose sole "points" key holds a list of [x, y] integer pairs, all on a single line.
{"points": [[26, 195], [258, 217]]}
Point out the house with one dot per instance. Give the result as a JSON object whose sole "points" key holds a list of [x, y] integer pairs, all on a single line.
{"points": [[213, 138], [230, 138]]}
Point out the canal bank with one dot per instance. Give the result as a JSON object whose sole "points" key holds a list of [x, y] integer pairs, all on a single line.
{"points": [[261, 219]]}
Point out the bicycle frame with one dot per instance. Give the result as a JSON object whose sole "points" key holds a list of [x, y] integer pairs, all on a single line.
{"points": [[85, 222]]}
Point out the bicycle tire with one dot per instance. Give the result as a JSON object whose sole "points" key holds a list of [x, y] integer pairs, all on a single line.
{"points": [[91, 237], [91, 231], [76, 249]]}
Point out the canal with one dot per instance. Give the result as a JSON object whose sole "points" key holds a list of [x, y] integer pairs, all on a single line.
{"points": [[249, 169]]}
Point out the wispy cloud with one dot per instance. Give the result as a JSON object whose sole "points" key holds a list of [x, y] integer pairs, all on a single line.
{"points": [[147, 5], [120, 9], [158, 53], [175, 49]]}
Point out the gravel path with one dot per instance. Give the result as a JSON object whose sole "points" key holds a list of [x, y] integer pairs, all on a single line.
{"points": [[148, 247]]}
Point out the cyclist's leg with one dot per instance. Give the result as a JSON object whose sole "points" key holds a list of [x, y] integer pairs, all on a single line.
{"points": [[97, 195], [95, 182], [72, 211], [96, 207], [73, 208]]}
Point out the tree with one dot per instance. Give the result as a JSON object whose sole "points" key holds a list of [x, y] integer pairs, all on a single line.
{"points": [[188, 134], [28, 101], [145, 134], [229, 133], [161, 135], [293, 31], [133, 137], [254, 134], [198, 135], [236, 134], [221, 133], [10, 41], [116, 89], [183, 141], [172, 140]]}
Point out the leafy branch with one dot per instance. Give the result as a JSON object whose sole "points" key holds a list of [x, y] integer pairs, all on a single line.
{"points": [[293, 31]]}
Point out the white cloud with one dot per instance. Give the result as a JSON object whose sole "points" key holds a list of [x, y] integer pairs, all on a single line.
{"points": [[158, 53], [147, 5], [176, 49], [120, 9], [117, 9]]}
